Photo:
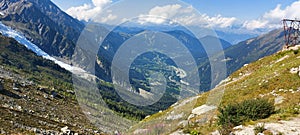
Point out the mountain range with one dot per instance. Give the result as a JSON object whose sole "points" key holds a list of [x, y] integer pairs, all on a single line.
{"points": [[274, 77], [55, 33], [43, 23]]}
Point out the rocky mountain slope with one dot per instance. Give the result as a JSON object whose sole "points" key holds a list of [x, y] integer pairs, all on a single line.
{"points": [[56, 33], [245, 52], [253, 49], [36, 95], [43, 23], [274, 77]]}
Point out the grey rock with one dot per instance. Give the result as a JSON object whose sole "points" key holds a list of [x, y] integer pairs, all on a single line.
{"points": [[2, 131], [71, 92], [65, 130]]}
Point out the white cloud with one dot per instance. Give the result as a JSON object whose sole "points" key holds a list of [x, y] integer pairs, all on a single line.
{"points": [[255, 24], [167, 11], [159, 14], [87, 12], [151, 19], [110, 17], [219, 21], [101, 3], [185, 16], [272, 18]]}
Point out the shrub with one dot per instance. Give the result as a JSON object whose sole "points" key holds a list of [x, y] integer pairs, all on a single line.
{"points": [[194, 132], [259, 128], [191, 132], [239, 113], [296, 51], [256, 109]]}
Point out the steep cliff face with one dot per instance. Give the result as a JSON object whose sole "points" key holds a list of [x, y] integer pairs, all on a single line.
{"points": [[43, 23]]}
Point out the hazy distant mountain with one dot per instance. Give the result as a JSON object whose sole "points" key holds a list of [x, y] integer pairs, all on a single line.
{"points": [[232, 35], [119, 35], [253, 49], [56, 33], [243, 53], [209, 39], [272, 77], [234, 38]]}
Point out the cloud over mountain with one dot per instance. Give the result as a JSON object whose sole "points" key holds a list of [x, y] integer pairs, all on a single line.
{"points": [[186, 16], [271, 18], [88, 11]]}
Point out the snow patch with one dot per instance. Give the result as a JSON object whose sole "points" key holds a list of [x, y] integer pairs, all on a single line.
{"points": [[8, 32], [227, 59], [249, 41]]}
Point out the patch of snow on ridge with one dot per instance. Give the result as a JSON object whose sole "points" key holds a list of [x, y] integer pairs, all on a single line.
{"points": [[8, 32], [249, 41]]}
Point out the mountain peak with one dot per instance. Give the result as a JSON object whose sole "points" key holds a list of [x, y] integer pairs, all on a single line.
{"points": [[43, 23]]}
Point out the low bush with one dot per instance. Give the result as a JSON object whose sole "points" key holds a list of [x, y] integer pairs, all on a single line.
{"points": [[260, 128], [239, 113], [296, 51]]}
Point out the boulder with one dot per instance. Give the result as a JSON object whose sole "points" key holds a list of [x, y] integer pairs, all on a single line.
{"points": [[71, 92], [203, 109], [65, 130], [2, 132], [294, 70]]}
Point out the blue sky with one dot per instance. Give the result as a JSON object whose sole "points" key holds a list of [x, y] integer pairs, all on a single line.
{"points": [[251, 14], [243, 9]]}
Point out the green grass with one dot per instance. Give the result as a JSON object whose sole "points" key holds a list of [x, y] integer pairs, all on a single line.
{"points": [[263, 77]]}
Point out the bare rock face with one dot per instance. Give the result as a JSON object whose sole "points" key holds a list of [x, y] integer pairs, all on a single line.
{"points": [[43, 23]]}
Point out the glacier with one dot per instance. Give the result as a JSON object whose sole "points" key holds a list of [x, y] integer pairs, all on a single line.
{"points": [[9, 32]]}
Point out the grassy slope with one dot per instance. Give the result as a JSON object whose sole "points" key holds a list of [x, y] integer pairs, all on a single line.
{"points": [[252, 81]]}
